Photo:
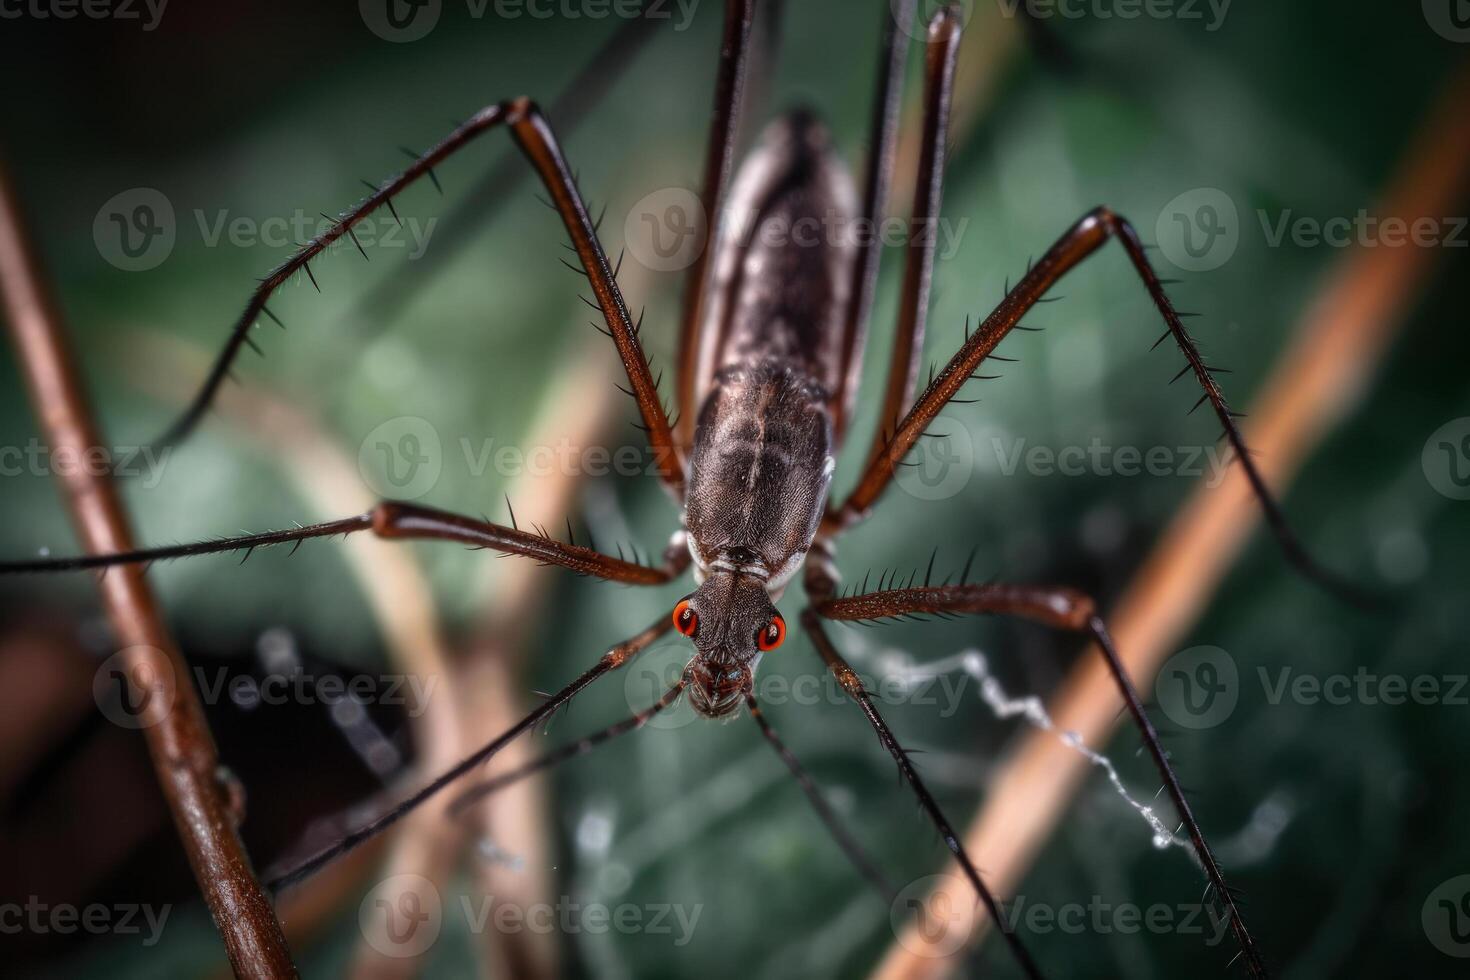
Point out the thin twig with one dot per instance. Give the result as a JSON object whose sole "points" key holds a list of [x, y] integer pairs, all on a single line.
{"points": [[1336, 347], [178, 737]]}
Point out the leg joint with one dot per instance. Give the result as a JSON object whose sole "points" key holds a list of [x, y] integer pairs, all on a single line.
{"points": [[519, 109], [386, 518]]}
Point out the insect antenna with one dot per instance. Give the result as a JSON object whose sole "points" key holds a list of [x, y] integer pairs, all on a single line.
{"points": [[830, 819], [610, 661], [571, 750], [854, 851]]}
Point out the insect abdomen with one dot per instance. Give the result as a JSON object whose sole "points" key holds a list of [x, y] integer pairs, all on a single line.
{"points": [[783, 264]]}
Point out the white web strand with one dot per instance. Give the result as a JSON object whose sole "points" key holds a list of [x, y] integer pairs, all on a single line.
{"points": [[902, 668]]}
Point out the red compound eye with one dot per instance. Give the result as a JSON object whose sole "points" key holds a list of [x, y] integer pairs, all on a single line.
{"points": [[685, 619], [773, 635]]}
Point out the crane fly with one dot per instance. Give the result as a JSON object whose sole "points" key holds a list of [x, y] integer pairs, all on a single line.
{"points": [[770, 346]]}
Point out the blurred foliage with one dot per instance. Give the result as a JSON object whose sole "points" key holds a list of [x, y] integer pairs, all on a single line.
{"points": [[264, 109]]}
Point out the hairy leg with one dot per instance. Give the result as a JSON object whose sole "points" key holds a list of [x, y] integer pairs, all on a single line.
{"points": [[394, 519], [1080, 242], [533, 135]]}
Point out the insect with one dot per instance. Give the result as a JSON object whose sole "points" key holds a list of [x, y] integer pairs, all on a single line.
{"points": [[771, 342]]}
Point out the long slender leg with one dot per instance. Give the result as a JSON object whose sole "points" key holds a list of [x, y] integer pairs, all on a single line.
{"points": [[718, 162], [394, 519], [882, 147], [611, 660], [533, 135], [1064, 609], [913, 308], [853, 685], [825, 813], [1081, 241], [769, 26]]}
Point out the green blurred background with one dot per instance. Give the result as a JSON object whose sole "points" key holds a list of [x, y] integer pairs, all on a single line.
{"points": [[1336, 821]]}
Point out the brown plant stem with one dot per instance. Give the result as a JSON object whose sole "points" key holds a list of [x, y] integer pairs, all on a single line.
{"points": [[178, 737]]}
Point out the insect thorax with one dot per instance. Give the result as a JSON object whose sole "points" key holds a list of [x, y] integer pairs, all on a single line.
{"points": [[759, 472]]}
